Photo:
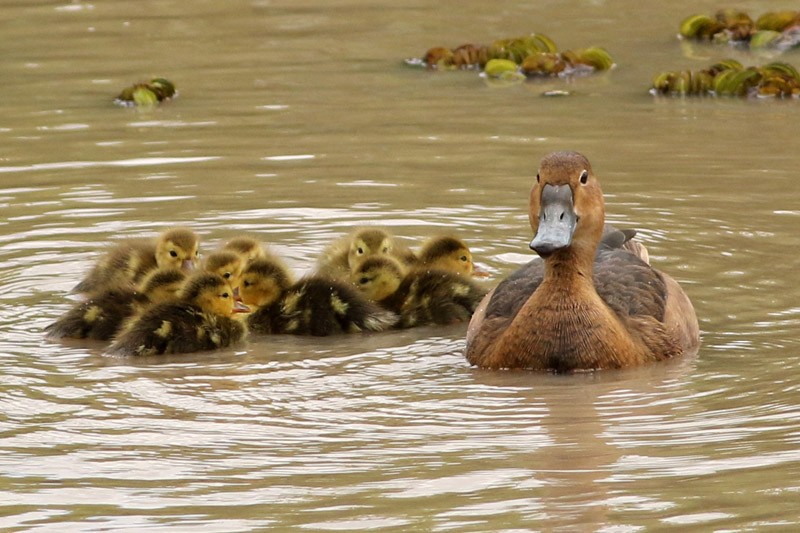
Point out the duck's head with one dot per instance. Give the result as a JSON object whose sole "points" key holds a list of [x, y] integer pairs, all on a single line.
{"points": [[368, 242], [377, 277], [227, 264], [162, 284], [447, 253], [212, 293], [566, 205], [247, 247], [263, 282], [178, 248]]}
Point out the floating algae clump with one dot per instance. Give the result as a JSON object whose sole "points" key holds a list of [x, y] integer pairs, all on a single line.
{"points": [[146, 94], [730, 78], [775, 30]]}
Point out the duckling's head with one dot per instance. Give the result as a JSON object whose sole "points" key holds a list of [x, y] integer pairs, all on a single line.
{"points": [[212, 293], [263, 282], [447, 253], [162, 284], [566, 205], [227, 264], [368, 242], [178, 248], [377, 276], [247, 247]]}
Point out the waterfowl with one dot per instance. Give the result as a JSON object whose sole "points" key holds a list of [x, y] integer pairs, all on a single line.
{"points": [[227, 264], [103, 313], [338, 259], [247, 247], [127, 262], [199, 318], [312, 306], [420, 296], [445, 252], [591, 303]]}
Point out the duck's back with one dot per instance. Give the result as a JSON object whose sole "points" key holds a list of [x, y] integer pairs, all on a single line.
{"points": [[176, 327]]}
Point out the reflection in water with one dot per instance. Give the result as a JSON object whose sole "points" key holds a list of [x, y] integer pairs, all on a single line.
{"points": [[296, 122]]}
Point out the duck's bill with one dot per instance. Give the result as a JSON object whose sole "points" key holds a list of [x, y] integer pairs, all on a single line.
{"points": [[239, 307], [557, 220]]}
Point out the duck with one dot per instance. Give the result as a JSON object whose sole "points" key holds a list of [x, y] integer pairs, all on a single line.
{"points": [[199, 318], [338, 259], [104, 312], [420, 296], [590, 302], [227, 264], [127, 262], [313, 305], [445, 252]]}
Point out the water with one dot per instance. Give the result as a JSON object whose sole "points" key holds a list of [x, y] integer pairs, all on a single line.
{"points": [[296, 121]]}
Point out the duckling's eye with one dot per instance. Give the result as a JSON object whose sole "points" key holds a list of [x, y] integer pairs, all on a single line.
{"points": [[225, 295], [359, 250], [226, 275], [363, 280], [386, 249], [173, 253], [584, 177], [197, 253], [463, 258], [246, 283]]}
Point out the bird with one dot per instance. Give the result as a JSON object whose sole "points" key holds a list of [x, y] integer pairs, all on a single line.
{"points": [[128, 261], [227, 264], [104, 312], [445, 252], [338, 259], [591, 302], [420, 296], [198, 319], [313, 305]]}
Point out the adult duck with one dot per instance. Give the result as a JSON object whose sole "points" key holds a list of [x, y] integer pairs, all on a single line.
{"points": [[583, 307]]}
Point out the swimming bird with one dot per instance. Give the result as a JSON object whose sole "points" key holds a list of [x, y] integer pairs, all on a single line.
{"points": [[590, 304], [338, 259]]}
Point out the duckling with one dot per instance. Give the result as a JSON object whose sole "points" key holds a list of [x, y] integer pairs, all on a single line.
{"points": [[227, 264], [421, 296], [445, 252], [104, 312], [312, 306], [127, 262], [342, 256], [247, 247], [199, 318]]}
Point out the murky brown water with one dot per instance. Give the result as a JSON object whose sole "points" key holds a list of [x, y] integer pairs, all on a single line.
{"points": [[296, 120]]}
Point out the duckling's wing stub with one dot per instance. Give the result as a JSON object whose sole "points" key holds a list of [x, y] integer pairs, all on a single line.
{"points": [[98, 318]]}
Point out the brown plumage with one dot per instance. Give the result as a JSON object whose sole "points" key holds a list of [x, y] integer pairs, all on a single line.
{"points": [[103, 313], [126, 263], [592, 303], [312, 306], [338, 259], [198, 319], [225, 263], [420, 296]]}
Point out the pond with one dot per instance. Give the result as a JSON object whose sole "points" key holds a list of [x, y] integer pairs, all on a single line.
{"points": [[297, 120]]}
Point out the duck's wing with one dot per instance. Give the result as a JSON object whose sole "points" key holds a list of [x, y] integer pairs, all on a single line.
{"points": [[628, 285]]}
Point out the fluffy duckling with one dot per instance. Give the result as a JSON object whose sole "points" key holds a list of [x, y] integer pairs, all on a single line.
{"points": [[127, 262], [227, 264], [421, 296], [445, 252], [312, 306], [104, 312], [247, 247], [338, 260], [198, 319]]}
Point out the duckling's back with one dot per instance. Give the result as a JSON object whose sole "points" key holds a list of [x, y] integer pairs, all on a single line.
{"points": [[98, 317], [122, 265]]}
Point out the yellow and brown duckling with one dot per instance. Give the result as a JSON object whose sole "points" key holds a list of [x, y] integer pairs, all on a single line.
{"points": [[446, 253], [227, 264], [590, 302], [104, 312], [312, 306], [247, 247], [341, 257], [199, 318], [420, 296], [126, 263]]}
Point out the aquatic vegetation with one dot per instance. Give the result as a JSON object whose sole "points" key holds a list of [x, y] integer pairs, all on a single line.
{"points": [[147, 93], [730, 78], [512, 59], [774, 30]]}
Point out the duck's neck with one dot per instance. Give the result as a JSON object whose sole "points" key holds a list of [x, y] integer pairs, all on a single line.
{"points": [[571, 268]]}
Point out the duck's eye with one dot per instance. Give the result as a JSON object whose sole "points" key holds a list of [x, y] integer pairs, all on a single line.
{"points": [[584, 177], [226, 275], [173, 253], [537, 177], [463, 258]]}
